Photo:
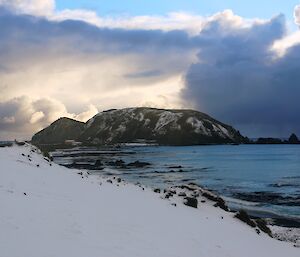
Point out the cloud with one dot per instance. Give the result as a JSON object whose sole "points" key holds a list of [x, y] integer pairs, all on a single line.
{"points": [[8, 120], [74, 63], [36, 117], [297, 14], [86, 115], [143, 74], [240, 79], [80, 64], [22, 116], [34, 7]]}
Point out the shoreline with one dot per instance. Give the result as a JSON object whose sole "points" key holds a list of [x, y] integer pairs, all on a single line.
{"points": [[259, 212], [283, 224], [110, 218]]}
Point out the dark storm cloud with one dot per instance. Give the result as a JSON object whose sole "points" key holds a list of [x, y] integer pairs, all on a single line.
{"points": [[28, 42], [239, 80], [30, 31]]}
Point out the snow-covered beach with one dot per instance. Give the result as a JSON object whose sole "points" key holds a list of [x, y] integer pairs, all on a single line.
{"points": [[49, 210]]}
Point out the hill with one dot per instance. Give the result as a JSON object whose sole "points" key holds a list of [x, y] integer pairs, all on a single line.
{"points": [[165, 127]]}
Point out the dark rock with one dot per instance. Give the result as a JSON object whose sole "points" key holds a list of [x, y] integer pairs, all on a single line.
{"points": [[85, 166], [157, 190], [182, 194], [262, 224], [6, 144], [175, 167], [168, 194], [20, 143], [109, 181], [269, 140], [138, 164], [80, 173], [119, 163], [192, 202], [269, 197], [243, 216], [293, 139], [187, 187], [219, 201], [38, 165], [119, 180], [98, 163], [194, 194], [174, 204], [24, 193]]}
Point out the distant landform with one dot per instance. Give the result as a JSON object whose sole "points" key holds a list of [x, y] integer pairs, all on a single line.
{"points": [[141, 125]]}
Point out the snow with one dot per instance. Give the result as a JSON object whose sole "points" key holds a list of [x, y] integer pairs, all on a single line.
{"points": [[121, 129], [166, 118], [200, 128], [287, 234], [198, 125], [68, 214], [225, 131]]}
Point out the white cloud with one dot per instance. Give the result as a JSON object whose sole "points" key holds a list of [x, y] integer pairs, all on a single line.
{"points": [[191, 23], [86, 115], [36, 117], [297, 14], [34, 7], [23, 116], [282, 45], [74, 69], [8, 120]]}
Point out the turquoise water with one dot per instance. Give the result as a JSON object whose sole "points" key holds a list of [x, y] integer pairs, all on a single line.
{"points": [[261, 178]]}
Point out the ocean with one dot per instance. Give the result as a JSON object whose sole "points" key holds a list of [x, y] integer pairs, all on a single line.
{"points": [[263, 179]]}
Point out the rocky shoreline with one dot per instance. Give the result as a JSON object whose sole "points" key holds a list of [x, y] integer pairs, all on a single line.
{"points": [[91, 214], [112, 158], [193, 195]]}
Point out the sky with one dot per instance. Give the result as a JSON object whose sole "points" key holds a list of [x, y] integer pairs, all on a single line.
{"points": [[250, 9], [237, 61]]}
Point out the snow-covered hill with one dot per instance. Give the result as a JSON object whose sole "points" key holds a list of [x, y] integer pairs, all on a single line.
{"points": [[170, 127], [51, 211]]}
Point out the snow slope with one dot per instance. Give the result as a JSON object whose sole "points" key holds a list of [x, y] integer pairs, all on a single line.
{"points": [[65, 214]]}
